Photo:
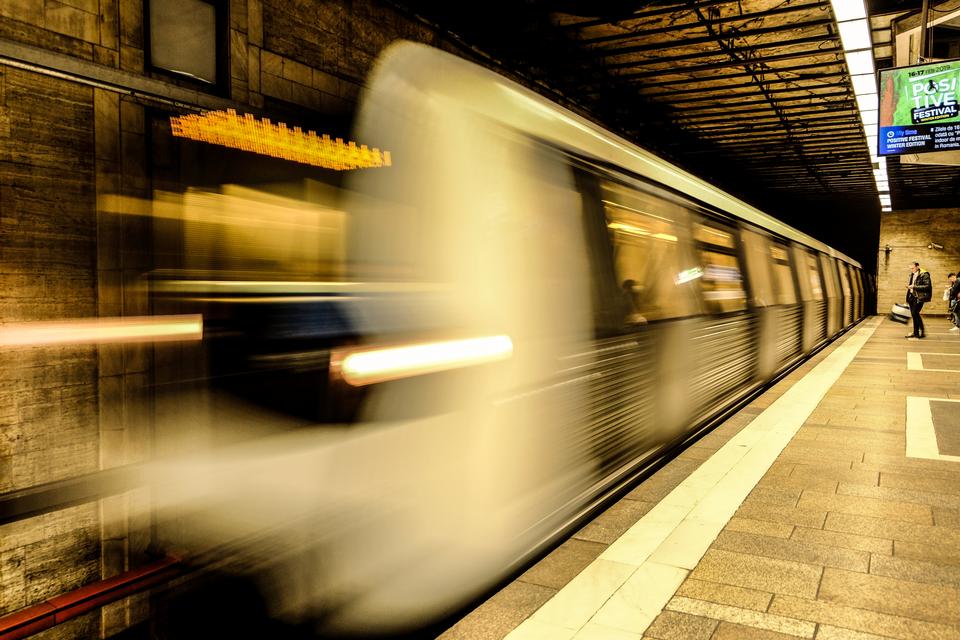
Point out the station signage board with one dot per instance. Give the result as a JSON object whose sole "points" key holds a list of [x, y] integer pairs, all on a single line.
{"points": [[919, 109]]}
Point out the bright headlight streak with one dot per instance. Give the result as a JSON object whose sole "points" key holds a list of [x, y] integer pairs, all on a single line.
{"points": [[103, 330], [392, 363], [855, 34]]}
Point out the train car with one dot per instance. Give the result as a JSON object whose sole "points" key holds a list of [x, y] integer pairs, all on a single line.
{"points": [[590, 307]]}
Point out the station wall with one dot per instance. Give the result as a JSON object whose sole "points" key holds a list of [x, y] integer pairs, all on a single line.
{"points": [[909, 234], [67, 138]]}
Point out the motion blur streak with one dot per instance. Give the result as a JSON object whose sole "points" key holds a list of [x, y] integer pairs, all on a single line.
{"points": [[380, 365], [101, 330]]}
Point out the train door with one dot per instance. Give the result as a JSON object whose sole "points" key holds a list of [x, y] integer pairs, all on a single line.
{"points": [[869, 300], [725, 341], [789, 314], [831, 286], [811, 291], [645, 287], [756, 254], [847, 290], [861, 294], [854, 278]]}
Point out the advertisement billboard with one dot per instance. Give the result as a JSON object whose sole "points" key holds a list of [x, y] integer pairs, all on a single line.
{"points": [[919, 111]]}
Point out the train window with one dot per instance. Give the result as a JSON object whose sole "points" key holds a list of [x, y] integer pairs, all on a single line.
{"points": [[654, 273], [755, 247], [830, 278], [707, 234], [813, 275], [844, 279], [721, 281], [783, 286]]}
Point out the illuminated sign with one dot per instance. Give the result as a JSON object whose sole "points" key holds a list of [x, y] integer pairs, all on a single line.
{"points": [[919, 112], [247, 133]]}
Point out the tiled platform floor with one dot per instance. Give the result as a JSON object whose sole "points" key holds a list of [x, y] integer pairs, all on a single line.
{"points": [[843, 537]]}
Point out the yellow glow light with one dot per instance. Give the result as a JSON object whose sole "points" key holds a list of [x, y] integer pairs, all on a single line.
{"points": [[101, 330], [628, 228], [247, 133], [392, 363], [665, 236]]}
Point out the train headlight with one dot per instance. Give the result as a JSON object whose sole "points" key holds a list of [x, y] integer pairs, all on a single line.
{"points": [[369, 366]]}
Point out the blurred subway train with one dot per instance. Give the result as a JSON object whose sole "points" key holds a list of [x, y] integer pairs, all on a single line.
{"points": [[444, 368]]}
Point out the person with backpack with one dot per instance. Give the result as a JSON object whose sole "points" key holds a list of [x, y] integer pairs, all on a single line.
{"points": [[919, 292]]}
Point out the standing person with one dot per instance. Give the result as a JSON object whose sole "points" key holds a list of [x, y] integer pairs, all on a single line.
{"points": [[952, 296], [919, 291]]}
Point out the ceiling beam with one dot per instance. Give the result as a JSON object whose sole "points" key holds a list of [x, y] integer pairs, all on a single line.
{"points": [[745, 74], [750, 50], [609, 52], [743, 17]]}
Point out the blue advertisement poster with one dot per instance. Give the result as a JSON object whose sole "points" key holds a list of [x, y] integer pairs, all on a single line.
{"points": [[919, 112]]}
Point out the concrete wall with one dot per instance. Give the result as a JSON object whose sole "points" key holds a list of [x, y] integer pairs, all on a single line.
{"points": [[48, 396], [908, 233]]}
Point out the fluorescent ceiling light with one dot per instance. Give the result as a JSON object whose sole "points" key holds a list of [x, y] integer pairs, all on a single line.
{"points": [[855, 35], [848, 9], [859, 62], [869, 117], [867, 101], [864, 84]]}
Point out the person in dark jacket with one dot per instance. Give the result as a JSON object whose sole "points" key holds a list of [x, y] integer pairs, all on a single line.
{"points": [[954, 305], [919, 291]]}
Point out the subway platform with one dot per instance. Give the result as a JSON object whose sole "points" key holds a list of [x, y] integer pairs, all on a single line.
{"points": [[827, 508]]}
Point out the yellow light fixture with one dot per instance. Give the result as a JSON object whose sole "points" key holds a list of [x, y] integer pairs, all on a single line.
{"points": [[247, 133]]}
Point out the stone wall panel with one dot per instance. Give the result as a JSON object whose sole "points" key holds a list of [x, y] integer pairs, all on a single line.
{"points": [[909, 234]]}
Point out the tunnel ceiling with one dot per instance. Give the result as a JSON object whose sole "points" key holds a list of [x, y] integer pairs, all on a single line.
{"points": [[753, 94]]}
